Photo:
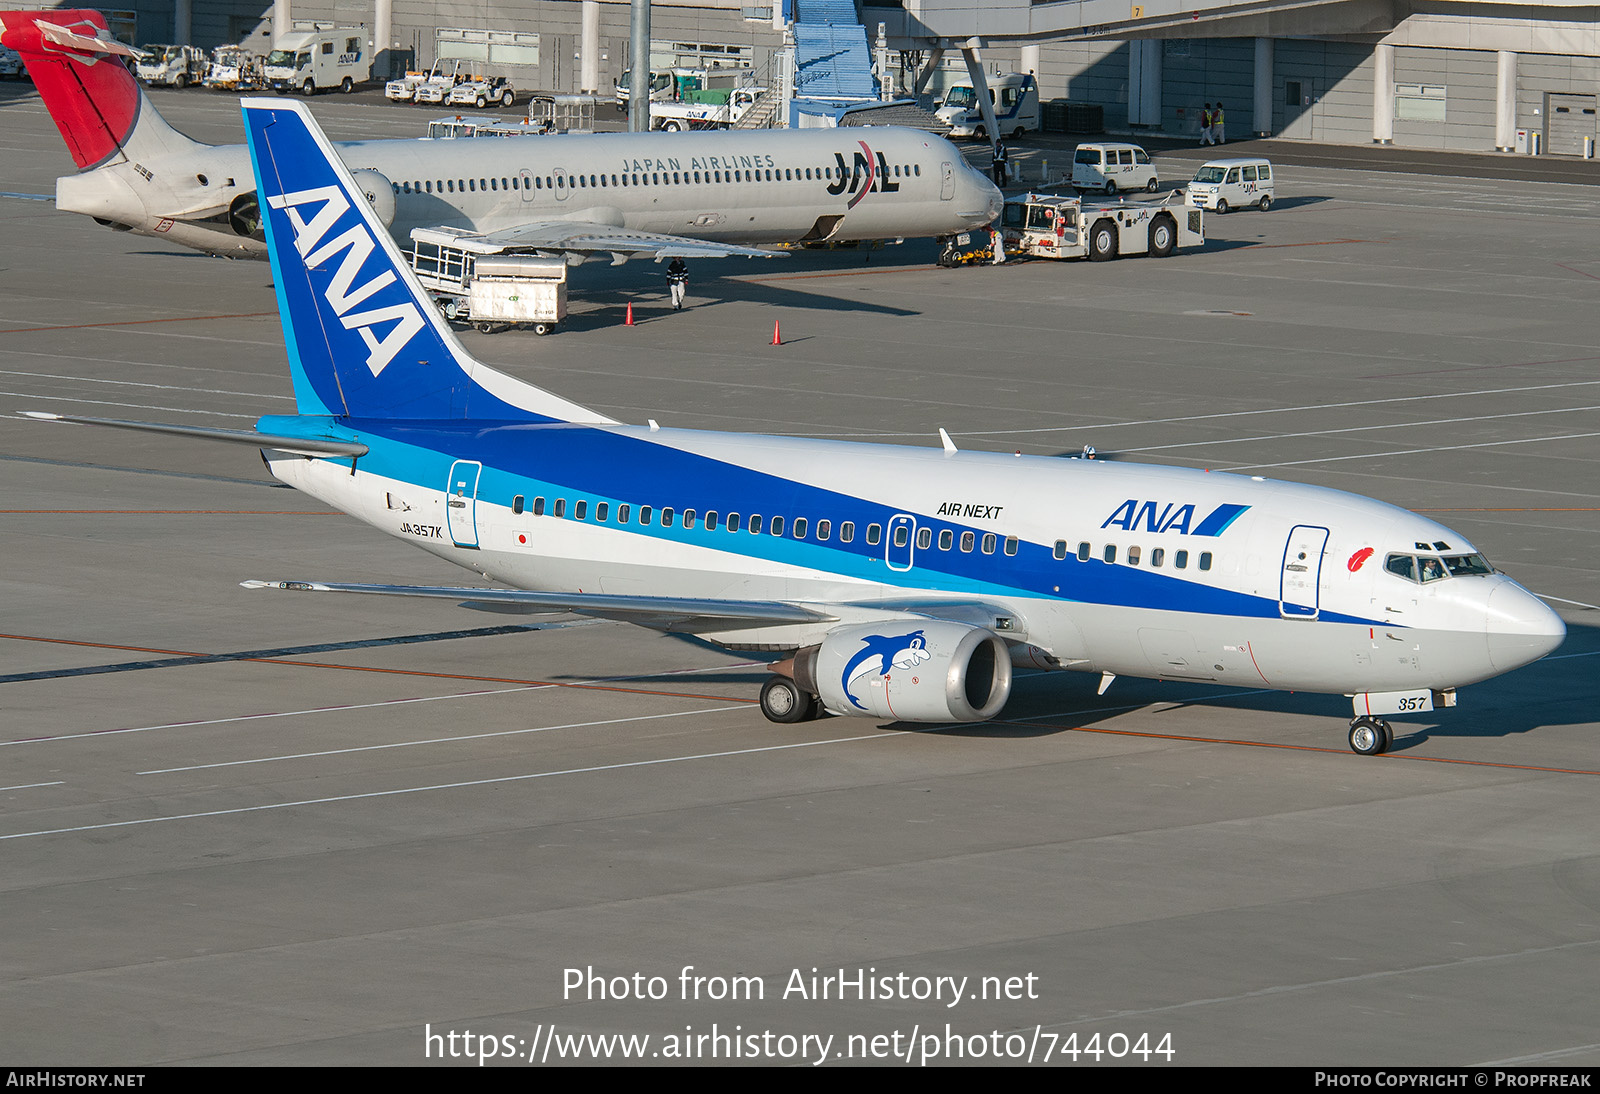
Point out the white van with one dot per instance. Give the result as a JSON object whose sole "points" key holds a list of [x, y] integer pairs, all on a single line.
{"points": [[1113, 167], [1231, 184]]}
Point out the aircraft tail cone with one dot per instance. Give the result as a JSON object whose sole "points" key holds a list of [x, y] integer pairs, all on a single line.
{"points": [[777, 339], [628, 322]]}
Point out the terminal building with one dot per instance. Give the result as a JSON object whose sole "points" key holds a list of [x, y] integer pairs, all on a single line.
{"points": [[1438, 74]]}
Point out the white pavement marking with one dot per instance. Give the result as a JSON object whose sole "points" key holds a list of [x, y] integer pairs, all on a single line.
{"points": [[446, 786], [447, 740]]}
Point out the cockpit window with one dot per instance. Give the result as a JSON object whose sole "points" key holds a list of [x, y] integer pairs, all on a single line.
{"points": [[1464, 565], [1426, 568], [1401, 566]]}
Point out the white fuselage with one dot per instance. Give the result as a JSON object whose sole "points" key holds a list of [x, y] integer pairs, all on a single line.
{"points": [[1159, 593], [755, 187]]}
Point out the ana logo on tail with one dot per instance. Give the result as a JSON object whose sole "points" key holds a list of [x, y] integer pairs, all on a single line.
{"points": [[342, 293]]}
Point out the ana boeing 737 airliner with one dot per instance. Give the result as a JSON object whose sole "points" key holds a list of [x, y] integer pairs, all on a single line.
{"points": [[657, 195], [889, 582]]}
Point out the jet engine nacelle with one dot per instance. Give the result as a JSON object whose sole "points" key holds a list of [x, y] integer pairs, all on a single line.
{"points": [[913, 671], [379, 191]]}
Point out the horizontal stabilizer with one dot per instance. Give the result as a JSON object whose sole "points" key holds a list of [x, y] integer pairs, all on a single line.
{"points": [[657, 611], [300, 446]]}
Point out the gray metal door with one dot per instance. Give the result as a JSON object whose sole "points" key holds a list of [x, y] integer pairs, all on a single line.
{"points": [[1569, 118], [947, 182], [1300, 100]]}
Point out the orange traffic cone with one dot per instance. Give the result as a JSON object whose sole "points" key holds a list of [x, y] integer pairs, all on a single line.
{"points": [[777, 339], [628, 322]]}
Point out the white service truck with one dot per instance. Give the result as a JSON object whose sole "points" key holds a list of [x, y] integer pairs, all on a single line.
{"points": [[1047, 226], [171, 66], [315, 57], [708, 109], [1016, 107]]}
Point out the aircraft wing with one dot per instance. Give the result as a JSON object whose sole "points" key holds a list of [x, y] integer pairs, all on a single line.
{"points": [[657, 612], [584, 237]]}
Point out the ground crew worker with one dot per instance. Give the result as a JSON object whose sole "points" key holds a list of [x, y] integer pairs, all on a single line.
{"points": [[678, 279], [1205, 125], [997, 242], [1217, 133], [997, 163]]}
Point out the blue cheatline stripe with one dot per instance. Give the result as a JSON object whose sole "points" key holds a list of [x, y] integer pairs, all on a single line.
{"points": [[598, 465]]}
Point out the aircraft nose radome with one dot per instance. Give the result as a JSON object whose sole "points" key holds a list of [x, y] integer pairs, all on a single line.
{"points": [[1521, 627]]}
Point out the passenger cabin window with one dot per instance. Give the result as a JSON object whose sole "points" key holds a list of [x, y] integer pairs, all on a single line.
{"points": [[799, 527], [1205, 560], [516, 504], [1084, 550], [924, 538], [776, 527], [1133, 556], [874, 534], [580, 510], [538, 507], [847, 532], [561, 507], [1110, 553], [1060, 551]]}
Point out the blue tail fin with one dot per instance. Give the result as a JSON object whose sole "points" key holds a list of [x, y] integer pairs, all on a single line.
{"points": [[364, 339]]}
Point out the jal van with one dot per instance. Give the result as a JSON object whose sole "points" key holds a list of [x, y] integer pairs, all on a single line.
{"points": [[1231, 184], [1113, 167]]}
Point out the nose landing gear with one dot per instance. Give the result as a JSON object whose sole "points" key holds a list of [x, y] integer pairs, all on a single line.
{"points": [[1370, 736]]}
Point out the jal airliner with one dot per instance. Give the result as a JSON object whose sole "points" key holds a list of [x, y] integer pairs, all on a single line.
{"points": [[657, 195], [886, 581]]}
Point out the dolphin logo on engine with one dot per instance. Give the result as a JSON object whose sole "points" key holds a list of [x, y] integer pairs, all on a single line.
{"points": [[880, 653]]}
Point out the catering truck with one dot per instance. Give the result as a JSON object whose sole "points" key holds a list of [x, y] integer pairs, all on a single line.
{"points": [[1046, 226], [315, 56]]}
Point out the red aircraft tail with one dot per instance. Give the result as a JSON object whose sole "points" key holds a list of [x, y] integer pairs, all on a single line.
{"points": [[83, 77]]}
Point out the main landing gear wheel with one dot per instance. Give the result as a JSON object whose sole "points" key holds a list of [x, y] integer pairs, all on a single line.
{"points": [[783, 702], [1370, 736]]}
